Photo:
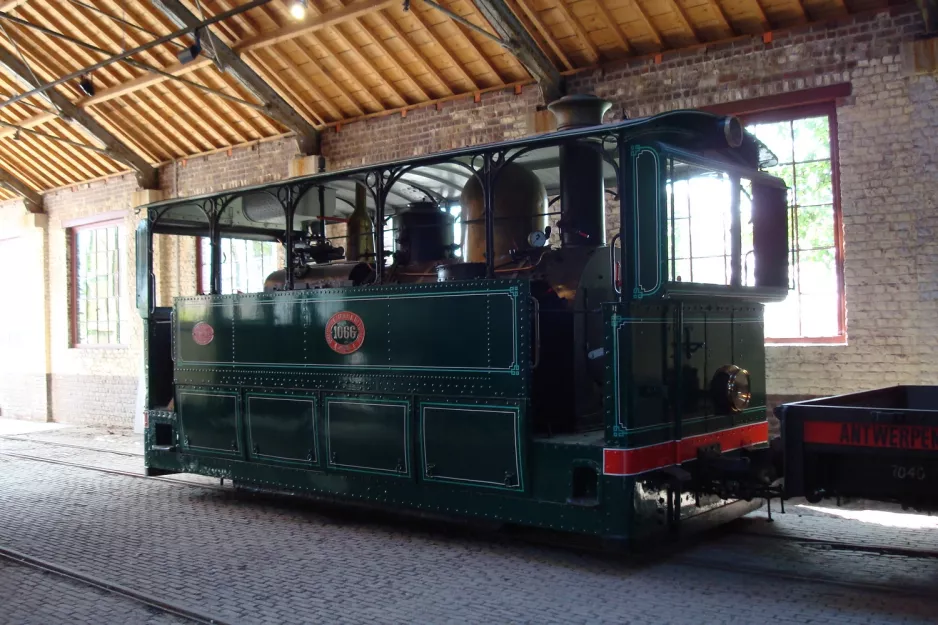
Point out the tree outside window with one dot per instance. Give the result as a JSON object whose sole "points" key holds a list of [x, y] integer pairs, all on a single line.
{"points": [[245, 264], [96, 257], [802, 140]]}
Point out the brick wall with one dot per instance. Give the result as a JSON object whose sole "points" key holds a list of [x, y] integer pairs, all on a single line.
{"points": [[888, 141], [887, 147]]}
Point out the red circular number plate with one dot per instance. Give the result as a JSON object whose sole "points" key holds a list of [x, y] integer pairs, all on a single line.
{"points": [[345, 332], [202, 333]]}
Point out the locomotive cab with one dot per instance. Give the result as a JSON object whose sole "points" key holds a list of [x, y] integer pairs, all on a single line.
{"points": [[459, 332]]}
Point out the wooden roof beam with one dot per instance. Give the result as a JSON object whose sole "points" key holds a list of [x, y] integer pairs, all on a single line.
{"points": [[685, 21], [545, 34], [31, 199], [178, 69], [115, 148], [312, 24], [523, 46], [646, 19], [278, 109]]}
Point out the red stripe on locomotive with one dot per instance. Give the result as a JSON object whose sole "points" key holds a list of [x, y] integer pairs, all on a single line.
{"points": [[643, 459]]}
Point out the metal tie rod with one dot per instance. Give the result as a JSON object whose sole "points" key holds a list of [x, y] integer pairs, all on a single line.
{"points": [[132, 62], [459, 18], [123, 55]]}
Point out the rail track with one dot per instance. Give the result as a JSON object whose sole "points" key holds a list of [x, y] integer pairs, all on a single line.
{"points": [[166, 607], [678, 553], [16, 438]]}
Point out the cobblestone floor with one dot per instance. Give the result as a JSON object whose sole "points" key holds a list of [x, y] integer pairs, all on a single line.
{"points": [[33, 597], [249, 560]]}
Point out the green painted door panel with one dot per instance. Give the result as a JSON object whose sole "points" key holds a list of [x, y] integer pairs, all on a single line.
{"points": [[474, 445], [281, 428], [210, 422], [368, 435]]}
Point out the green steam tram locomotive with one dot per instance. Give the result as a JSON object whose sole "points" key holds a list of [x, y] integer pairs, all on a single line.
{"points": [[512, 364]]}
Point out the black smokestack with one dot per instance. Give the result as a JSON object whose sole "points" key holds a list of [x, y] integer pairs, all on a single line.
{"points": [[582, 190]]}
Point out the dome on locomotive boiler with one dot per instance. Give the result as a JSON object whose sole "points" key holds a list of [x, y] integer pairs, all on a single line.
{"points": [[520, 203]]}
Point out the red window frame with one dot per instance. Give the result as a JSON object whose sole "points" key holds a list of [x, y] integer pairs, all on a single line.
{"points": [[789, 107], [72, 230]]}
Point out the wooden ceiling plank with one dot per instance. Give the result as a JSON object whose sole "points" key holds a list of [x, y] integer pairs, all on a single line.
{"points": [[66, 158], [524, 49], [9, 5], [461, 29], [117, 72], [539, 25], [332, 55], [685, 22], [180, 122], [94, 160], [614, 25], [44, 56], [14, 186], [227, 124], [105, 39], [21, 168], [366, 61], [265, 69], [803, 14], [276, 108], [336, 83], [446, 53], [169, 93], [130, 131], [310, 25], [722, 17], [393, 61], [643, 15], [402, 37], [581, 34], [153, 123], [763, 18], [181, 112], [389, 56], [326, 103], [147, 176], [232, 84], [45, 168]]}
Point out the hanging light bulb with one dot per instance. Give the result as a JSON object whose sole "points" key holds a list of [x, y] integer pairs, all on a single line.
{"points": [[298, 9]]}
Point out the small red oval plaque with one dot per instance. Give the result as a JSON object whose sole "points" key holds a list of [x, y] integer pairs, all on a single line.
{"points": [[345, 332], [203, 333]]}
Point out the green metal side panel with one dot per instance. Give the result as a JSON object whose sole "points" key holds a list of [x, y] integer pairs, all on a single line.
{"points": [[282, 428], [210, 421], [466, 338], [475, 445], [368, 435]]}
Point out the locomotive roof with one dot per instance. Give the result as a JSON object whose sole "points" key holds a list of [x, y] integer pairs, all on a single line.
{"points": [[441, 176]]}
